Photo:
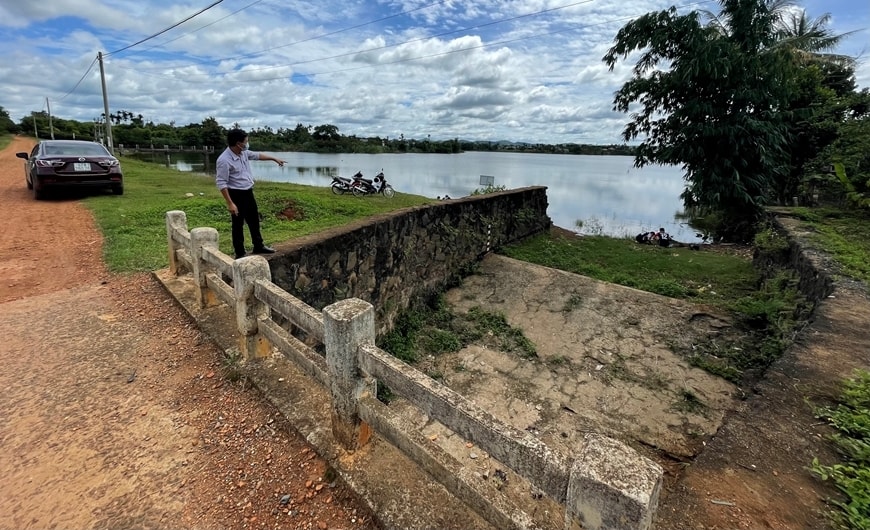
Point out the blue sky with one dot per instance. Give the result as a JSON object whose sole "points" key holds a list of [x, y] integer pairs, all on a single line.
{"points": [[521, 70]]}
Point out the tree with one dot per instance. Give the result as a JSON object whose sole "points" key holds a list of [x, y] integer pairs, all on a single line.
{"points": [[811, 39], [326, 132], [213, 134], [824, 83], [710, 98], [6, 123]]}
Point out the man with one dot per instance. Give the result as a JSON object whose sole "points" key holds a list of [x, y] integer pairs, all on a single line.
{"points": [[236, 182]]}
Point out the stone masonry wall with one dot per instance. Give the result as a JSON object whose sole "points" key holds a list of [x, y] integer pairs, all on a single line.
{"points": [[815, 279], [392, 259]]}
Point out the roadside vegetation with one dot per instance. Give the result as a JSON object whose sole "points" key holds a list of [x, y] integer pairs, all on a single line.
{"points": [[850, 419], [844, 234], [134, 228]]}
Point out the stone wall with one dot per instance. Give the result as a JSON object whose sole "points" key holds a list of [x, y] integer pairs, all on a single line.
{"points": [[796, 253], [392, 259]]}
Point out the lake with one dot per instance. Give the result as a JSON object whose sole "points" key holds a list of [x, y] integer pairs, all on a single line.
{"points": [[606, 193]]}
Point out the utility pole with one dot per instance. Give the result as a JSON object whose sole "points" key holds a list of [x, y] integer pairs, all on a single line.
{"points": [[50, 126], [110, 144]]}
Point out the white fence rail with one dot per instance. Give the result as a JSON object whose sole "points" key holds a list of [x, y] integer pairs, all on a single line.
{"points": [[606, 486]]}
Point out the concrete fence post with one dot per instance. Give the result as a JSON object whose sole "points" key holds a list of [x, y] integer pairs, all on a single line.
{"points": [[201, 238], [611, 487], [249, 310], [175, 220], [346, 325]]}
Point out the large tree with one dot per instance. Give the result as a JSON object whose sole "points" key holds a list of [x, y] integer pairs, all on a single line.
{"points": [[824, 90], [710, 98], [6, 123]]}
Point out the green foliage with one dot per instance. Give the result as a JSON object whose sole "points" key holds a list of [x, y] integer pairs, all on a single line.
{"points": [[7, 126], [433, 329], [134, 228], [510, 339], [768, 314], [678, 272], [743, 104], [854, 197], [845, 235], [714, 110], [488, 189], [771, 240], [851, 419]]}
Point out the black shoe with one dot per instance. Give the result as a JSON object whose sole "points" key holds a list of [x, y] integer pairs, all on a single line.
{"points": [[242, 255], [265, 249]]}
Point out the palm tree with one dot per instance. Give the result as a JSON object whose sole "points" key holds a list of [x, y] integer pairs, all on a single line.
{"points": [[811, 39]]}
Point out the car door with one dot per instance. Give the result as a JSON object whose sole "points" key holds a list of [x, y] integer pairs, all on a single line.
{"points": [[30, 165]]}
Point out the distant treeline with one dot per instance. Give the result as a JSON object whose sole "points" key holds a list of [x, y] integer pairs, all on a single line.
{"points": [[131, 129]]}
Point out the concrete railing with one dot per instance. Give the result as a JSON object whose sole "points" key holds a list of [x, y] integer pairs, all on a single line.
{"points": [[607, 485]]}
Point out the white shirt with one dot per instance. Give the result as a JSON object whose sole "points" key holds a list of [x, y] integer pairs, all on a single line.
{"points": [[234, 171]]}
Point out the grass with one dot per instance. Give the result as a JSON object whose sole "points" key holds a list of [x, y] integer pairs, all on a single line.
{"points": [[432, 328], [851, 420], [134, 228], [845, 235], [704, 277], [5, 140], [767, 312]]}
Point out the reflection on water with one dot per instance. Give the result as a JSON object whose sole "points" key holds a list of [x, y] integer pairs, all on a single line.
{"points": [[606, 193]]}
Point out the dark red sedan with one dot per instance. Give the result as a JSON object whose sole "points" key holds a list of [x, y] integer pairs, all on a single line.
{"points": [[71, 163]]}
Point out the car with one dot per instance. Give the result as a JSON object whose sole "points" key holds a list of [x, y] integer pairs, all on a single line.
{"points": [[71, 163]]}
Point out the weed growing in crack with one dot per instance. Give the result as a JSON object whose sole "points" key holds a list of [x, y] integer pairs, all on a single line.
{"points": [[689, 402], [433, 328]]}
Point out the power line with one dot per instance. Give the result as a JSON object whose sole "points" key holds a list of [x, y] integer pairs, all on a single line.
{"points": [[205, 26], [201, 11], [395, 45], [315, 37], [80, 80]]}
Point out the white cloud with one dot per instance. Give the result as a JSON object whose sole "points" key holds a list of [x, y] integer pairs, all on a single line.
{"points": [[279, 62]]}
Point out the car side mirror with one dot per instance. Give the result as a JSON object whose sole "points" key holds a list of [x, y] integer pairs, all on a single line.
{"points": [[25, 156]]}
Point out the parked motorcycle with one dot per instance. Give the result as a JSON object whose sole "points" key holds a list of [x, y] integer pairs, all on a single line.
{"points": [[363, 186], [342, 185]]}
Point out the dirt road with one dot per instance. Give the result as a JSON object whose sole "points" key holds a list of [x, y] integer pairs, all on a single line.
{"points": [[114, 412]]}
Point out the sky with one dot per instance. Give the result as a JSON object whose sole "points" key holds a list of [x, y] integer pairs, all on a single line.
{"points": [[515, 70]]}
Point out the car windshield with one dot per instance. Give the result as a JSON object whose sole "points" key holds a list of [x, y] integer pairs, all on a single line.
{"points": [[83, 149]]}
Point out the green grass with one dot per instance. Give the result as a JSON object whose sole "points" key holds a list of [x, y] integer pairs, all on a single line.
{"points": [[704, 277], [845, 235], [432, 328], [5, 140], [851, 420], [765, 312], [134, 226]]}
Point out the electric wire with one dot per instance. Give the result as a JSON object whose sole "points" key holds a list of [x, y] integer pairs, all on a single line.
{"points": [[161, 32], [396, 45], [237, 11], [80, 79], [315, 37]]}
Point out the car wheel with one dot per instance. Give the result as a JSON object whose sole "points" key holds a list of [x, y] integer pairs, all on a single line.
{"points": [[38, 192], [118, 190]]}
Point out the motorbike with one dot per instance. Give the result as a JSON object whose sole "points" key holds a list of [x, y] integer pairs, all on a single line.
{"points": [[363, 186], [342, 185]]}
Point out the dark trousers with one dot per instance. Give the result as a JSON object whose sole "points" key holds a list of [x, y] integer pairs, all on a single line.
{"points": [[248, 213]]}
